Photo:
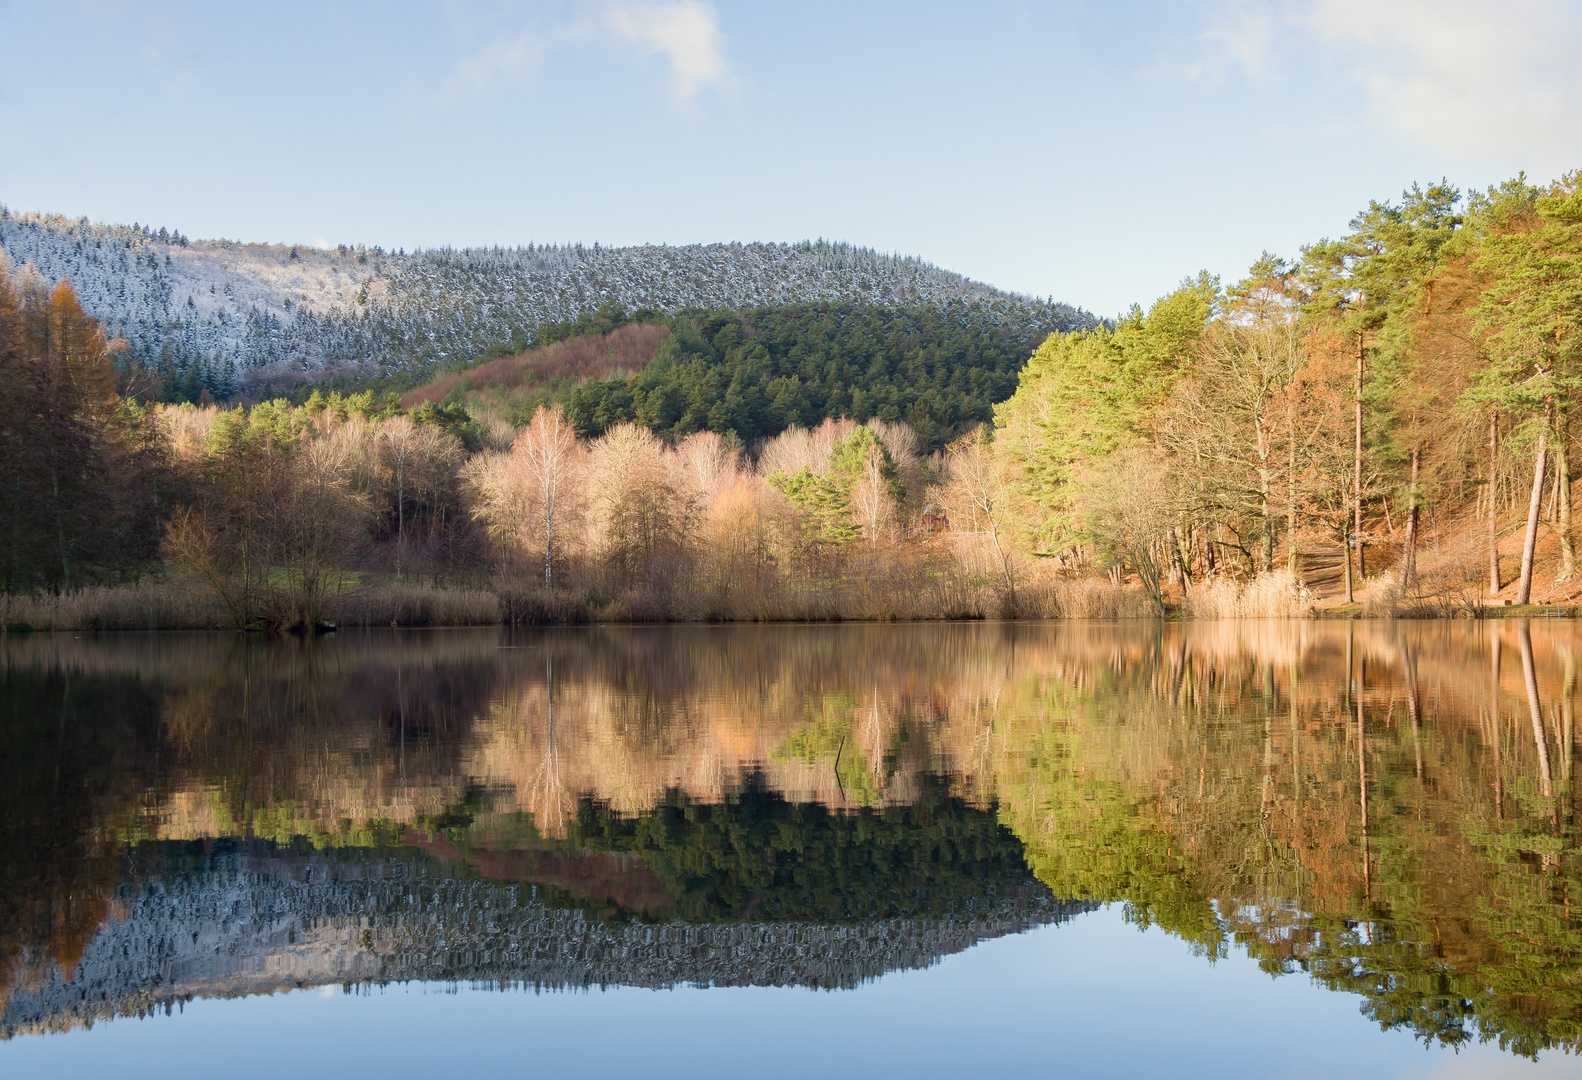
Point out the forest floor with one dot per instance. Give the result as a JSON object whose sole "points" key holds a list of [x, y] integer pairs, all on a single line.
{"points": [[1453, 565]]}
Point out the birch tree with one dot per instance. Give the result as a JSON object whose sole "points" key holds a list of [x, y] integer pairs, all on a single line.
{"points": [[980, 499], [532, 495], [548, 452]]}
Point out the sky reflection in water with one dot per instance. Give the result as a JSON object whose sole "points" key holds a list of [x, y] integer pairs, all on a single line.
{"points": [[924, 819]]}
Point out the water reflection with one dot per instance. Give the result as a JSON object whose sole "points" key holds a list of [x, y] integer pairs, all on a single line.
{"points": [[1388, 808]]}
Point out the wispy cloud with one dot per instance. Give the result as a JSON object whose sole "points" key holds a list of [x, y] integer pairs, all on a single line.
{"points": [[686, 33], [505, 57], [1237, 34], [1462, 76]]}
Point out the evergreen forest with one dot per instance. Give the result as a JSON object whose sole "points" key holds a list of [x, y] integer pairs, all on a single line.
{"points": [[749, 373]]}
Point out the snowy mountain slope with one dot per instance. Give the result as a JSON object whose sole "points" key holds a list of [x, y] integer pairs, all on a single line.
{"points": [[269, 923], [257, 317]]}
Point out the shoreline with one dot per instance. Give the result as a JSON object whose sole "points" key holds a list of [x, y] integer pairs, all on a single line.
{"points": [[1534, 611], [186, 605]]}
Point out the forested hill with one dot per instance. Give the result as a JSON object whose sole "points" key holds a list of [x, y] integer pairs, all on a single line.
{"points": [[755, 371], [758, 372], [263, 922], [258, 318]]}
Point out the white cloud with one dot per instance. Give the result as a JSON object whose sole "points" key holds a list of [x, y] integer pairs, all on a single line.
{"points": [[687, 33], [1464, 75], [1240, 33], [504, 57], [1467, 77]]}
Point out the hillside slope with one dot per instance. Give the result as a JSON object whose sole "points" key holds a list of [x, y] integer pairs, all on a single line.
{"points": [[509, 380], [258, 922], [257, 317], [756, 371]]}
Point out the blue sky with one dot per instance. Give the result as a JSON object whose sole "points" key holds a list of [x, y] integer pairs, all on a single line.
{"points": [[1094, 152]]}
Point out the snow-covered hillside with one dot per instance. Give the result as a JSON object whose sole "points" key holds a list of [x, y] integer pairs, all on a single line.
{"points": [[255, 317]]}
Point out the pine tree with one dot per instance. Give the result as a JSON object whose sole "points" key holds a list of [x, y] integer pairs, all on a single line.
{"points": [[1530, 319]]}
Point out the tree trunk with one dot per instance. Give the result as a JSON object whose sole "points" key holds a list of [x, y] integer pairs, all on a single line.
{"points": [[1524, 588], [1567, 715], [1266, 545], [549, 537], [60, 529], [1553, 517], [1413, 706], [1362, 570], [1004, 555], [1563, 483], [1290, 508], [1409, 553], [1362, 778], [1265, 510], [1494, 476], [1535, 712], [1345, 550], [14, 580], [401, 521]]}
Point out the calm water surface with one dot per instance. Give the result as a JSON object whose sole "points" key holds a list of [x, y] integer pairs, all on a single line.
{"points": [[1219, 849]]}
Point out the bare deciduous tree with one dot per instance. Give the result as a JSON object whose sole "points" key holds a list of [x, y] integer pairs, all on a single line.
{"points": [[979, 498], [547, 449], [321, 519], [531, 495], [640, 504], [871, 500], [1226, 419], [795, 448], [710, 464], [398, 443], [1131, 508]]}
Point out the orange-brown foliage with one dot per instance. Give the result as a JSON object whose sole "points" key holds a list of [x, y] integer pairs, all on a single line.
{"points": [[627, 349]]}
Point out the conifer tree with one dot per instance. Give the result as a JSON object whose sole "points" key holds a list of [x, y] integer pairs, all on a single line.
{"points": [[80, 494], [1530, 318]]}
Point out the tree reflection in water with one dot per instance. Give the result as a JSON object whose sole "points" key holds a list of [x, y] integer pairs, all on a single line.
{"points": [[1387, 807]]}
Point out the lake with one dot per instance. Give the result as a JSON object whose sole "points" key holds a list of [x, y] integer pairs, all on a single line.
{"points": [[1304, 849]]}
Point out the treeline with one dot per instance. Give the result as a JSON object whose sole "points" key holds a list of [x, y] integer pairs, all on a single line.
{"points": [[748, 373], [287, 504], [278, 511], [757, 855], [759, 371], [1427, 360]]}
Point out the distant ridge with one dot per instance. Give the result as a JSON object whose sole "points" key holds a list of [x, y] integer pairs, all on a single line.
{"points": [[252, 317], [255, 923]]}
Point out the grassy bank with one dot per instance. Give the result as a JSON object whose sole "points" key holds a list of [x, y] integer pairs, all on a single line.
{"points": [[186, 605], [180, 604]]}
